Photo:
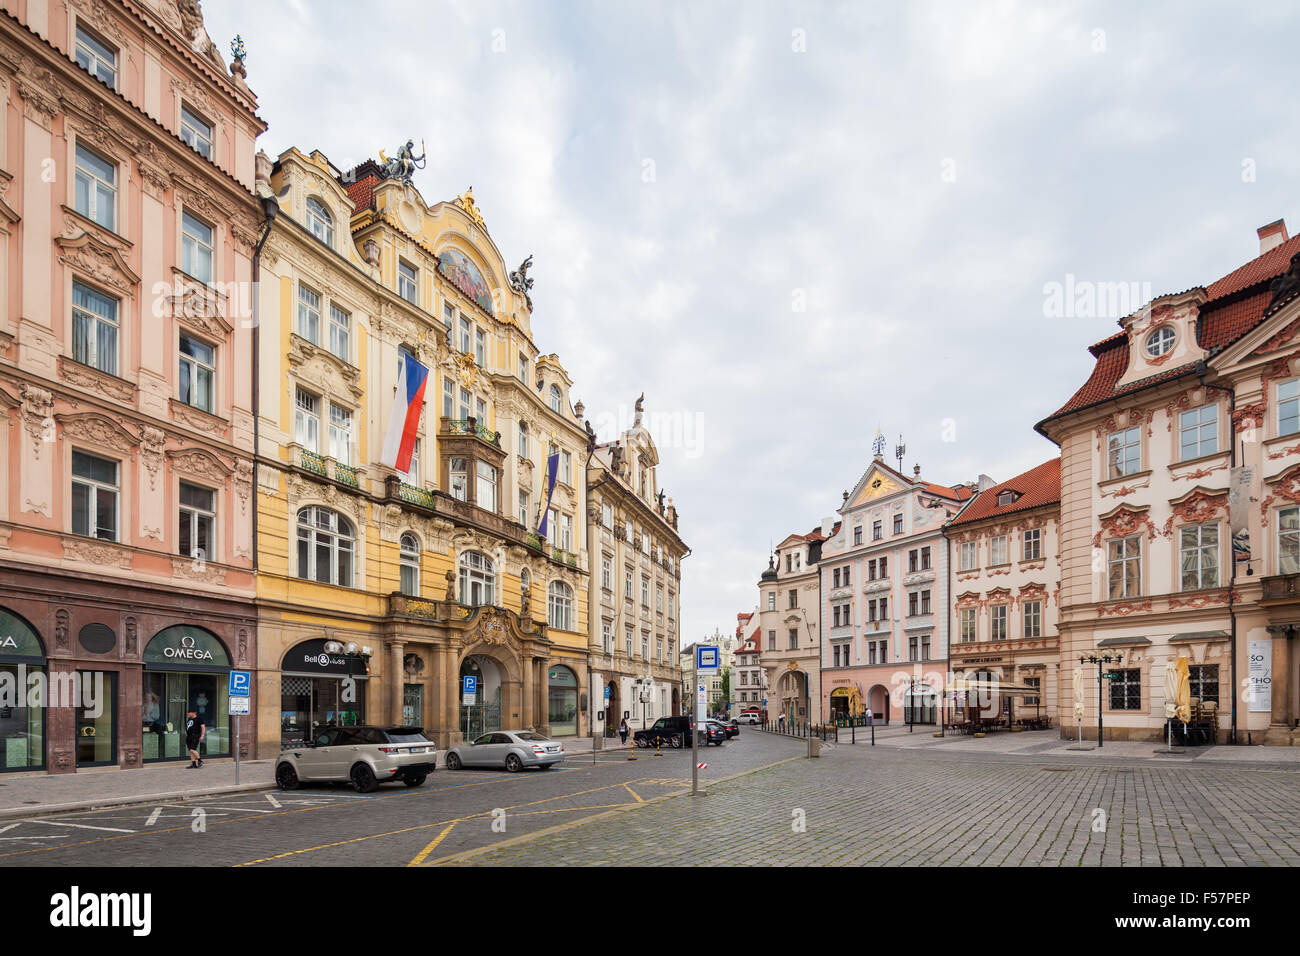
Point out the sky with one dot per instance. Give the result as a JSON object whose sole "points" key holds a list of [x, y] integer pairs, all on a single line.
{"points": [[792, 224]]}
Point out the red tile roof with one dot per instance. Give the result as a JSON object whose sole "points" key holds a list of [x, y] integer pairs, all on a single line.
{"points": [[1037, 487], [1235, 304]]}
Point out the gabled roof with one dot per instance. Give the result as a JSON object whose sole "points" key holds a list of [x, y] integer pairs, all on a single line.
{"points": [[1234, 305], [1036, 487]]}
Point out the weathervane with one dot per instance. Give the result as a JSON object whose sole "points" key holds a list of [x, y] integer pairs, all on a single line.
{"points": [[878, 444], [899, 451]]}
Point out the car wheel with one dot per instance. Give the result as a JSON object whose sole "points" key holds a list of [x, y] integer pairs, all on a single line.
{"points": [[513, 763], [675, 741], [642, 742], [363, 779], [415, 781], [286, 778], [452, 761]]}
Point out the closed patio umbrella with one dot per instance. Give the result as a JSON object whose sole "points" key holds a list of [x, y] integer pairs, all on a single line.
{"points": [[1078, 701], [1171, 701], [1184, 691]]}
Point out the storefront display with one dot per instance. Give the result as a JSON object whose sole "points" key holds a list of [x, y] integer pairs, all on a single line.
{"points": [[563, 702], [22, 665], [320, 689], [186, 668]]}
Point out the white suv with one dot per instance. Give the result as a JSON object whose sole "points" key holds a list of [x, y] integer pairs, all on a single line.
{"points": [[366, 756]]}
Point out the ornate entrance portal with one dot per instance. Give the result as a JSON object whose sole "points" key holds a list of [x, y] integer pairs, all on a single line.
{"points": [[484, 713]]}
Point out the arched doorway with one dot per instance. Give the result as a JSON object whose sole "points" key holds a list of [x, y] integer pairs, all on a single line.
{"points": [[878, 701], [22, 727], [790, 689], [562, 701], [613, 709], [484, 713], [844, 703], [677, 701]]}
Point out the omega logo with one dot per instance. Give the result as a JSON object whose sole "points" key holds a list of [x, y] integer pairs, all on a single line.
{"points": [[188, 651], [9, 642]]}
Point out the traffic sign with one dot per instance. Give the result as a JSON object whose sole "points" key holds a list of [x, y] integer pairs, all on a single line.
{"points": [[706, 658], [1110, 675], [241, 684], [468, 690], [240, 706]]}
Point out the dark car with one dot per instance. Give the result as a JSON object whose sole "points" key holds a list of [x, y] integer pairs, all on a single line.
{"points": [[732, 727], [713, 732], [665, 732]]}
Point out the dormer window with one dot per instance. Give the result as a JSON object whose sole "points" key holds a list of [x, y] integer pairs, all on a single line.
{"points": [[1007, 497], [319, 222], [1160, 341], [555, 398]]}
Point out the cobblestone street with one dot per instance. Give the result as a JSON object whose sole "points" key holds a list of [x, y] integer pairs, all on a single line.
{"points": [[889, 807]]}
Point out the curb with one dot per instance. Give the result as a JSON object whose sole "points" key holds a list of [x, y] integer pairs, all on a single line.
{"points": [[106, 803], [524, 838]]}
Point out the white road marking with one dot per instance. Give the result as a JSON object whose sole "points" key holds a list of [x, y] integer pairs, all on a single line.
{"points": [[153, 817], [80, 826], [275, 803], [10, 827]]}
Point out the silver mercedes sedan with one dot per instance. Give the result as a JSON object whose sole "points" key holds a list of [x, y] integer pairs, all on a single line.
{"points": [[512, 749]]}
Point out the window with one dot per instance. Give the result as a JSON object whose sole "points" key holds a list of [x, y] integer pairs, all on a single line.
{"points": [[481, 411], [1124, 452], [1160, 341], [969, 559], [319, 222], [1288, 407], [1198, 551], [913, 560], [559, 606], [340, 434], [1033, 544], [794, 640], [672, 603], [96, 188], [1035, 682], [877, 531], [607, 574], [1203, 681], [96, 57], [325, 547], [566, 532], [309, 314], [628, 642], [341, 333], [925, 558], [1007, 498], [466, 334], [998, 622], [410, 562], [523, 440], [198, 135], [645, 543], [925, 647], [645, 647], [659, 600], [913, 603], [645, 591], [197, 368], [566, 468], [477, 580], [1124, 575], [1198, 430], [523, 508], [857, 535], [793, 596], [196, 248], [835, 578], [925, 601], [1288, 541], [1126, 690], [413, 471], [846, 575], [448, 397], [998, 550], [197, 517], [485, 494], [306, 422], [913, 648], [771, 600], [480, 348], [94, 496], [898, 524], [458, 469], [94, 328], [771, 640], [627, 585], [607, 516], [407, 283], [1033, 615], [607, 637], [968, 624], [789, 563], [463, 407], [523, 367]]}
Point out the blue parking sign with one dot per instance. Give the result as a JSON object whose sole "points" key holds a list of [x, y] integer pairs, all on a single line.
{"points": [[471, 685], [241, 683]]}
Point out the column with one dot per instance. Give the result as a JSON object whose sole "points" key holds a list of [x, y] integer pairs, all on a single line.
{"points": [[528, 710], [395, 682], [447, 677], [1281, 666], [544, 696]]}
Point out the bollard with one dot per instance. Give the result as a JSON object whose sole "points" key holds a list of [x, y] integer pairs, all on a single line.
{"points": [[853, 732], [873, 733], [630, 744]]}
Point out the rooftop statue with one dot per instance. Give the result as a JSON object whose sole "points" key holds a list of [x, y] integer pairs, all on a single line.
{"points": [[404, 164]]}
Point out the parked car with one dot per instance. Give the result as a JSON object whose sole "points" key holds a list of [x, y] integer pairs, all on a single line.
{"points": [[365, 756], [512, 749], [713, 732], [732, 727], [665, 732], [750, 719]]}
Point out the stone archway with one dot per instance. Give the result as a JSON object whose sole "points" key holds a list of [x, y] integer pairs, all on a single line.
{"points": [[501, 696], [878, 702]]}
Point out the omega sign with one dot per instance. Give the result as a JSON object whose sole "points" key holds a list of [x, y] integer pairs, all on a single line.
{"points": [[187, 651]]}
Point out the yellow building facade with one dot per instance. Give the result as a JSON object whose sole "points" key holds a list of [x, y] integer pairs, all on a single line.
{"points": [[379, 591]]}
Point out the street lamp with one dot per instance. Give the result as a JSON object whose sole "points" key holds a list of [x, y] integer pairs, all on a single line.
{"points": [[911, 694], [1104, 659]]}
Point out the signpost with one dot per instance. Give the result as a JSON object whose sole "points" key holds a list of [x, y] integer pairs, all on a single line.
{"points": [[240, 697], [706, 662]]}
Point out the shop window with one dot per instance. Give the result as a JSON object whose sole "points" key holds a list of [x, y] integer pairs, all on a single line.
{"points": [[1126, 690]]}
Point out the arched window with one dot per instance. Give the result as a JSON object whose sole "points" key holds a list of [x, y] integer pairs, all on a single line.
{"points": [[559, 610], [319, 222], [410, 547], [477, 579], [326, 544], [555, 398]]}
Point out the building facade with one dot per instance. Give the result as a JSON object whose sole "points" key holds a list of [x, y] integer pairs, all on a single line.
{"points": [[1180, 479], [748, 689], [1003, 558], [885, 593], [789, 622], [127, 230], [380, 591], [634, 637]]}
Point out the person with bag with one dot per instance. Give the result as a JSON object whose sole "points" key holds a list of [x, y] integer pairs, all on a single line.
{"points": [[622, 731], [195, 731]]}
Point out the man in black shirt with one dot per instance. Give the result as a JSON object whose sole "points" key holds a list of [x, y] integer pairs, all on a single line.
{"points": [[195, 731]]}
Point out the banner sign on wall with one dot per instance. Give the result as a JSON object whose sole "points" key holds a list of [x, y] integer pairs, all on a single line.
{"points": [[1241, 479], [1261, 676]]}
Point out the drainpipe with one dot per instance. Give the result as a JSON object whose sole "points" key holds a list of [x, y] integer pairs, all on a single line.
{"points": [[270, 207], [1202, 368]]}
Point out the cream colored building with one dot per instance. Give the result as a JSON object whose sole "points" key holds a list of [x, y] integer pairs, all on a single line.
{"points": [[789, 625], [634, 636]]}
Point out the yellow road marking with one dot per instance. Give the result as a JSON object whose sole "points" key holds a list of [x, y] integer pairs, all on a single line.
{"points": [[634, 793], [419, 857]]}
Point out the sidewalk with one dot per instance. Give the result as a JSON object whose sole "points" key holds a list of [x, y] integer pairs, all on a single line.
{"points": [[27, 793]]}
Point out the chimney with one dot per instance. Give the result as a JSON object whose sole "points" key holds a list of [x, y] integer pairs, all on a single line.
{"points": [[1272, 235], [828, 524], [985, 483]]}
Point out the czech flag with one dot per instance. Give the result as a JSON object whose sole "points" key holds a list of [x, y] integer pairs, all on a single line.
{"points": [[399, 442]]}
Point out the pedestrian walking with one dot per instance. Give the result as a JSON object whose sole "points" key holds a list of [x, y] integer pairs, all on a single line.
{"points": [[195, 732], [622, 731]]}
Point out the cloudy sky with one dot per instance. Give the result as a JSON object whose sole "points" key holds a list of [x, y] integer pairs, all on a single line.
{"points": [[791, 224]]}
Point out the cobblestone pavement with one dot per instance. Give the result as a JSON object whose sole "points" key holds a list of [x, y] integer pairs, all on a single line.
{"points": [[883, 806]]}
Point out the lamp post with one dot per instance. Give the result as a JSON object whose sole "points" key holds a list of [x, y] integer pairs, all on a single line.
{"points": [[911, 708], [1099, 661]]}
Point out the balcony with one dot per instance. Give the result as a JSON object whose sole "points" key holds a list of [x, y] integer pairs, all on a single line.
{"points": [[471, 427], [1281, 589], [415, 495]]}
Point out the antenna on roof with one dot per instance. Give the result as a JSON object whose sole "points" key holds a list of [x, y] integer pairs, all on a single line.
{"points": [[899, 451]]}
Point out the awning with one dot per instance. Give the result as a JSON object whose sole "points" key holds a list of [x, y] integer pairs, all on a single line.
{"points": [[1124, 641], [986, 687], [1200, 636]]}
